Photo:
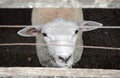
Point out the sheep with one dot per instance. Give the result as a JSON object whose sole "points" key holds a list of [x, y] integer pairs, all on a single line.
{"points": [[58, 26]]}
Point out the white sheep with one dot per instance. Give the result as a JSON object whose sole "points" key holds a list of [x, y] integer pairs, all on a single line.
{"points": [[58, 26]]}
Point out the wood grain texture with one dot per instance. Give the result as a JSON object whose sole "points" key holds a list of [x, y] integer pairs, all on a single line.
{"points": [[26, 71]]}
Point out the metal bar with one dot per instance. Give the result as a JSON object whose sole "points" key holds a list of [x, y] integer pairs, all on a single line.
{"points": [[77, 46], [101, 27]]}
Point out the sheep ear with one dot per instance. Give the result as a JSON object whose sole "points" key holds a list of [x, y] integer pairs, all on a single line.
{"points": [[89, 23], [29, 31]]}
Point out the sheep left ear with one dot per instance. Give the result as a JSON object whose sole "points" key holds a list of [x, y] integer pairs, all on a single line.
{"points": [[89, 23], [29, 31]]}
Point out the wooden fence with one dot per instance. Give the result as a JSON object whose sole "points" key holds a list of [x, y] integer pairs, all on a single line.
{"points": [[33, 72]]}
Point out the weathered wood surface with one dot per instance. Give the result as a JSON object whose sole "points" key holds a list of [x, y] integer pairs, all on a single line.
{"points": [[59, 3], [34, 72]]}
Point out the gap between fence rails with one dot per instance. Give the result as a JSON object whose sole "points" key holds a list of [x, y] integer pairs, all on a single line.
{"points": [[103, 27], [77, 46]]}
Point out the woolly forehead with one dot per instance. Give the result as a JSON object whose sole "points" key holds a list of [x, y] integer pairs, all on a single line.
{"points": [[60, 27]]}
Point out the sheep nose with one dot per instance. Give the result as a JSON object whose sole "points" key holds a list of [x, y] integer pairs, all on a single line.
{"points": [[64, 59]]}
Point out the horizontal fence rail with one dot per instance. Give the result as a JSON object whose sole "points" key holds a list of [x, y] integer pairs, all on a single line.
{"points": [[59, 3], [29, 72], [77, 46], [18, 26]]}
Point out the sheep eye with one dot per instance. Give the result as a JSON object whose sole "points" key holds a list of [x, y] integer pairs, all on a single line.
{"points": [[76, 31], [44, 34]]}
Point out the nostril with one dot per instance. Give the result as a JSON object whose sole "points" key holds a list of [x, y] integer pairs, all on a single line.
{"points": [[65, 60], [61, 58], [68, 58]]}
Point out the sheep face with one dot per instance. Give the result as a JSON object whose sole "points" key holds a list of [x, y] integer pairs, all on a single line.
{"points": [[58, 34], [61, 33]]}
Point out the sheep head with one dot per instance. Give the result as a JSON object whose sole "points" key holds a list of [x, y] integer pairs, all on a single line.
{"points": [[62, 33]]}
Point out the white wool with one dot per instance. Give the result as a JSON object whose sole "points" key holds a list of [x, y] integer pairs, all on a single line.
{"points": [[42, 16], [45, 15]]}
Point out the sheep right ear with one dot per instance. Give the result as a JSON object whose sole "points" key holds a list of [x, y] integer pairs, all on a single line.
{"points": [[88, 25], [29, 31]]}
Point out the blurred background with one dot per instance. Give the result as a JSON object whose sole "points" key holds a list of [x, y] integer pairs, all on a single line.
{"points": [[25, 56]]}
